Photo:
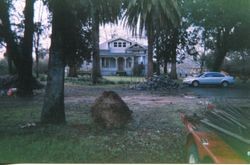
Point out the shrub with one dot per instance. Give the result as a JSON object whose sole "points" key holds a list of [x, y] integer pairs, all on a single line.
{"points": [[42, 66], [138, 70]]}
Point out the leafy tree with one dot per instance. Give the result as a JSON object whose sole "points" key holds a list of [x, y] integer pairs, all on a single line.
{"points": [[166, 44], [64, 49], [237, 63], [78, 41], [151, 15], [226, 21], [12, 47], [20, 53]]}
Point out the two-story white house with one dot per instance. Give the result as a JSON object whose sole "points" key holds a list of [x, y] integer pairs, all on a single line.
{"points": [[121, 55]]}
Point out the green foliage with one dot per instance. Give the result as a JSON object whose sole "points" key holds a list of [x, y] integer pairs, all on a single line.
{"points": [[222, 14], [42, 66], [156, 13], [209, 61], [238, 64], [138, 70]]}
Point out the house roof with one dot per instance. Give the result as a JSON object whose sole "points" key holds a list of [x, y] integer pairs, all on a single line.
{"points": [[119, 38], [134, 47], [104, 45]]}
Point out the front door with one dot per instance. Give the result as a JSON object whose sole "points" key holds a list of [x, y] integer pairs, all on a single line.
{"points": [[120, 64]]}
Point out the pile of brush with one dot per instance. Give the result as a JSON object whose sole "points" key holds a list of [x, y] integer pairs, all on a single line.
{"points": [[157, 82]]}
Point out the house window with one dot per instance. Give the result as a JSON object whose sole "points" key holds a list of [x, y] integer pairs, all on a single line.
{"points": [[119, 44], [128, 62], [108, 63], [124, 44], [115, 44]]}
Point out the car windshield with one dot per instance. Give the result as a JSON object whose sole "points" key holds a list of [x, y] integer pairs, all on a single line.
{"points": [[199, 75]]}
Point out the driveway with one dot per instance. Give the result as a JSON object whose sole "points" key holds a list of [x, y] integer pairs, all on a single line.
{"points": [[230, 92]]}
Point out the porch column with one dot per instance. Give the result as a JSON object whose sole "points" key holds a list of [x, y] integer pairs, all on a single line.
{"points": [[101, 62], [116, 63], [133, 61], [125, 63]]}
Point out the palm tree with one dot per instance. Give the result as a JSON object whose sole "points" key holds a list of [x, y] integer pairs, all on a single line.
{"points": [[102, 11], [151, 14]]}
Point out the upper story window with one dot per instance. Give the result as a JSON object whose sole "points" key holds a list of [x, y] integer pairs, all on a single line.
{"points": [[119, 44], [124, 44], [115, 44]]}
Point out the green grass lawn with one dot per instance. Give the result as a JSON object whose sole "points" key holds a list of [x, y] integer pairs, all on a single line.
{"points": [[128, 79], [80, 140]]}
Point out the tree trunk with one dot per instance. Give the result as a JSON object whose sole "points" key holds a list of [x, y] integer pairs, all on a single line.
{"points": [[10, 66], [53, 107], [150, 51], [25, 71], [72, 70], [221, 48], [165, 69], [96, 71], [158, 69], [173, 73], [37, 54]]}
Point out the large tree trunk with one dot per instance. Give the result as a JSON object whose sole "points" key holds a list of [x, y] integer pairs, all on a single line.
{"points": [[165, 69], [173, 73], [37, 54], [10, 66], [221, 48], [72, 70], [25, 71], [150, 51], [96, 71], [53, 107]]}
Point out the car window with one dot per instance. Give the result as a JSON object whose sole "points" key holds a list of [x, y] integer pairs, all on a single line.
{"points": [[218, 75], [209, 75], [200, 75]]}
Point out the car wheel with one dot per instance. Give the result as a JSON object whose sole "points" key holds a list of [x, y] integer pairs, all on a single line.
{"points": [[224, 84], [195, 84], [192, 154]]}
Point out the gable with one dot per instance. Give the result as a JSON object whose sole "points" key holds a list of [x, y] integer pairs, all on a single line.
{"points": [[119, 43], [135, 46]]}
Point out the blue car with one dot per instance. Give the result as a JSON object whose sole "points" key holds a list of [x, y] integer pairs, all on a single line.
{"points": [[210, 78]]}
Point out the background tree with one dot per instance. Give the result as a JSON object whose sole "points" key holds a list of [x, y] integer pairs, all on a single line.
{"points": [[225, 21], [20, 52], [79, 41], [12, 47], [151, 15], [102, 11], [166, 44], [25, 87]]}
